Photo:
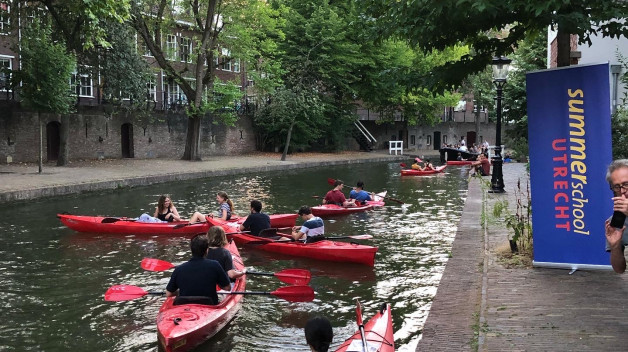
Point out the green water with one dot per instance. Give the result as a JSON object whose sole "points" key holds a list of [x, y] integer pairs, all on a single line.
{"points": [[55, 278]]}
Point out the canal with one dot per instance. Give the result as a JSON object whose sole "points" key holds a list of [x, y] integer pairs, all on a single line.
{"points": [[55, 278]]}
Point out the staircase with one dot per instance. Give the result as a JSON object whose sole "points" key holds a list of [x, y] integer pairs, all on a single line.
{"points": [[364, 138]]}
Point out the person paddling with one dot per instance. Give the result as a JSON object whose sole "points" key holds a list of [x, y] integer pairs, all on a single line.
{"points": [[256, 221], [313, 228], [217, 251], [359, 194], [198, 277], [335, 196]]}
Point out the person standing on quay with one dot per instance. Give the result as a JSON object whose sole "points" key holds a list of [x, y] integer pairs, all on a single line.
{"points": [[617, 238]]}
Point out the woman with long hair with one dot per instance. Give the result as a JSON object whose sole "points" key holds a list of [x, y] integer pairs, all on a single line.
{"points": [[218, 252], [165, 210]]}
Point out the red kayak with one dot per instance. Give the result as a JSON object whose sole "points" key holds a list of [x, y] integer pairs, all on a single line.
{"points": [[321, 250], [378, 334], [334, 210], [459, 162], [101, 224], [276, 220], [412, 172], [183, 327]]}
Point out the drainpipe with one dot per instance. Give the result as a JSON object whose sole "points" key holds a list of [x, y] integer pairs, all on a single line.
{"points": [[615, 70]]}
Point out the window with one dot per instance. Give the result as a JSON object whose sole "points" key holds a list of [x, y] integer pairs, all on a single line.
{"points": [[5, 72], [142, 48], [5, 14], [175, 94], [152, 89], [226, 59], [445, 139], [83, 83], [226, 65], [185, 50], [34, 13], [236, 65], [412, 140], [171, 47], [429, 140]]}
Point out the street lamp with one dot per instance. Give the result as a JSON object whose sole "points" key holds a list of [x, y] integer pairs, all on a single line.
{"points": [[500, 72]]}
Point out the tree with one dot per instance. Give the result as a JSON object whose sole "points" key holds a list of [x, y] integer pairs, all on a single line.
{"points": [[45, 73], [619, 120], [440, 24], [228, 25], [82, 27]]}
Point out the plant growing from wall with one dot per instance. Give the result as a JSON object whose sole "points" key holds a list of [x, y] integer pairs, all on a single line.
{"points": [[520, 223]]}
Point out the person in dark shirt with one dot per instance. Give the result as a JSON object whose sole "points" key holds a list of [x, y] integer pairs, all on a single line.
{"points": [[256, 221], [318, 334], [198, 277], [165, 210], [218, 252]]}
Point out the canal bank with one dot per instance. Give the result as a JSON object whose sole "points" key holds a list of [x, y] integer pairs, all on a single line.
{"points": [[19, 182], [482, 305]]}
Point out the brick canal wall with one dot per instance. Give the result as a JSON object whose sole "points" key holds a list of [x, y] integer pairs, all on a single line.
{"points": [[94, 135]]}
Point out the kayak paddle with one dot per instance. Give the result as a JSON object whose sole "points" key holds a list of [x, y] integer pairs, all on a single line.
{"points": [[289, 293], [331, 181], [358, 314], [289, 276], [112, 220], [403, 165]]}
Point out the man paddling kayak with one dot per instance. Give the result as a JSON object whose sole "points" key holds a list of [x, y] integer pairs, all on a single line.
{"points": [[335, 196], [197, 278], [312, 230], [359, 194], [256, 221]]}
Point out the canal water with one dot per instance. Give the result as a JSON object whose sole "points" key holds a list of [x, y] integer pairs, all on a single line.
{"points": [[54, 278]]}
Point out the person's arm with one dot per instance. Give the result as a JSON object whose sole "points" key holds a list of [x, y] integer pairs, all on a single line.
{"points": [[223, 279], [175, 213], [297, 234], [170, 294], [235, 273], [156, 212], [224, 214], [614, 237]]}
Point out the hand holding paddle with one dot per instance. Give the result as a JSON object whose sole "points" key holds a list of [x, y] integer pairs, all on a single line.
{"points": [[289, 293], [289, 276]]}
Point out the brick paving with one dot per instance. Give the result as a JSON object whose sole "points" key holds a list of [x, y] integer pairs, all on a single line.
{"points": [[482, 305]]}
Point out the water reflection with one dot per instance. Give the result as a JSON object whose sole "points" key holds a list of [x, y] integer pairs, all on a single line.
{"points": [[55, 278]]}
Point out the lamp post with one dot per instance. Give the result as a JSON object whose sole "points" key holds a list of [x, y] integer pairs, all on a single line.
{"points": [[500, 72]]}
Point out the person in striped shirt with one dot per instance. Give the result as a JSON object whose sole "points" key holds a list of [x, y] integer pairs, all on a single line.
{"points": [[312, 229]]}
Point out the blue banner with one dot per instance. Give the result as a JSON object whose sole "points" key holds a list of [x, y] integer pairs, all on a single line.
{"points": [[569, 135]]}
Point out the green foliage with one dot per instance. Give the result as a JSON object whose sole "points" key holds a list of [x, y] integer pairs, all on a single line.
{"points": [[521, 221], [45, 72], [82, 23], [302, 108], [125, 74], [619, 120], [440, 24], [530, 55]]}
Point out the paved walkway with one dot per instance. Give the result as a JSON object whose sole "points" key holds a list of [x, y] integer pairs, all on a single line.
{"points": [[23, 182], [482, 305]]}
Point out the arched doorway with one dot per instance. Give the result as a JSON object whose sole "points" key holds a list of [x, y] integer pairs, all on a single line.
{"points": [[127, 140], [53, 140]]}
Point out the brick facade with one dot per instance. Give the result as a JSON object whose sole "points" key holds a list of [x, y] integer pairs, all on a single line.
{"points": [[93, 135]]}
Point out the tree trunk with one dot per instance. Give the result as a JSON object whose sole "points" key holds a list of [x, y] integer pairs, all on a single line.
{"points": [[285, 149], [41, 142], [64, 151], [193, 139], [563, 47]]}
